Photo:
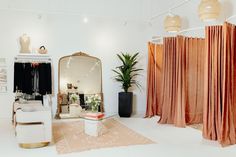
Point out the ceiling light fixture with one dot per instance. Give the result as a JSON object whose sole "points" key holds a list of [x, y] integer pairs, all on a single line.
{"points": [[85, 20], [209, 10], [172, 23]]}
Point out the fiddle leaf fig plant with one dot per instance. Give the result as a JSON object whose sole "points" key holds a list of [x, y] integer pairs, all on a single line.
{"points": [[126, 73]]}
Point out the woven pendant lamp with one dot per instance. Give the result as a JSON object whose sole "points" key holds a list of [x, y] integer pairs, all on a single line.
{"points": [[209, 10], [172, 23]]}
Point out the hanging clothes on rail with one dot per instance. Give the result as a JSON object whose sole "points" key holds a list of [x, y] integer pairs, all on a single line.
{"points": [[35, 80], [45, 78], [23, 78], [32, 78]]}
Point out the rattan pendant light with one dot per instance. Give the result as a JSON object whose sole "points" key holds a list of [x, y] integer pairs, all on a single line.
{"points": [[209, 10], [172, 23]]}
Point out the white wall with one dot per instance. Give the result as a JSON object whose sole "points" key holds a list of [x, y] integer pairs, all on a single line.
{"points": [[114, 26], [65, 33]]}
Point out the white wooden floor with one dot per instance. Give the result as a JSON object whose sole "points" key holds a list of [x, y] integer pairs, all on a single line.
{"points": [[170, 142]]}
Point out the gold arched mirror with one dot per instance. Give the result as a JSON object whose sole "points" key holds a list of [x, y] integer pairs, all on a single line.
{"points": [[79, 74]]}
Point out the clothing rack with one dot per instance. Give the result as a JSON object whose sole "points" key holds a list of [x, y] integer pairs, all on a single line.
{"points": [[25, 58], [33, 73]]}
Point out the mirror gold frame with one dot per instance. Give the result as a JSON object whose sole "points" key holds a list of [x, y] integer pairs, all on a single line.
{"points": [[57, 116]]}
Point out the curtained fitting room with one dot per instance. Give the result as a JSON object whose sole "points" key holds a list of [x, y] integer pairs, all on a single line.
{"points": [[135, 77]]}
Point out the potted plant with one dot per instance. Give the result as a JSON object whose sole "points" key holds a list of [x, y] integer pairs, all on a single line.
{"points": [[126, 74]]}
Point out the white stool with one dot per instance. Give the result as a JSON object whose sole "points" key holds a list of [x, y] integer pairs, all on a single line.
{"points": [[33, 126]]}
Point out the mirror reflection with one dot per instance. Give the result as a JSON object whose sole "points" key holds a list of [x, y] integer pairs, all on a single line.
{"points": [[79, 82]]}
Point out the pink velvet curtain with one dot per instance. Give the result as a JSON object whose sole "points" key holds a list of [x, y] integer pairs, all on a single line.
{"points": [[219, 120], [154, 79], [229, 87], [198, 82], [169, 81], [182, 90], [195, 54]]}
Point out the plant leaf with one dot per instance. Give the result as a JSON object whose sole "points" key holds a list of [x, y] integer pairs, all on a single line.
{"points": [[126, 73]]}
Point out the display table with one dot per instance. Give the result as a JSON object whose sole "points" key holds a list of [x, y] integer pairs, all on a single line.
{"points": [[94, 126]]}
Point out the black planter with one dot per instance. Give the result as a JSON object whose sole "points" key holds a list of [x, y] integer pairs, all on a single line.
{"points": [[125, 104]]}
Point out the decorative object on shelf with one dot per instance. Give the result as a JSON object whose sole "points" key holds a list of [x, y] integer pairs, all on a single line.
{"points": [[94, 101], [25, 43], [75, 87], [69, 85], [125, 74], [3, 75], [42, 50], [209, 10], [172, 23]]}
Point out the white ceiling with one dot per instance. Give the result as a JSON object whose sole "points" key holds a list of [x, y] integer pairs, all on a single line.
{"points": [[124, 9]]}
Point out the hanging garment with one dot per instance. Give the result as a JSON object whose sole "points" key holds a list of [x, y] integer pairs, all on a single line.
{"points": [[18, 76], [33, 78], [81, 99], [23, 78], [45, 78]]}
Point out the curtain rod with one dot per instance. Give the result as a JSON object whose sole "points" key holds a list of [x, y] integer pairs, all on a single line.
{"points": [[191, 29], [231, 17], [159, 38], [170, 9]]}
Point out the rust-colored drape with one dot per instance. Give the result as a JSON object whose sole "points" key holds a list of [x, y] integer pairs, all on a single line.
{"points": [[182, 86], [154, 79], [195, 54], [219, 102], [213, 77], [169, 84], [198, 82], [158, 70], [228, 129]]}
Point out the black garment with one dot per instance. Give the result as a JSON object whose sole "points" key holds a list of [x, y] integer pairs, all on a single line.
{"points": [[23, 78], [29, 79], [18, 76], [39, 97], [81, 99], [45, 78], [35, 79]]}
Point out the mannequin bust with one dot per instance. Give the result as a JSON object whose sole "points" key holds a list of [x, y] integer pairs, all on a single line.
{"points": [[24, 43]]}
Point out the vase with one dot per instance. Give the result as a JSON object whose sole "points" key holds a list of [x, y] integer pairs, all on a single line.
{"points": [[125, 104]]}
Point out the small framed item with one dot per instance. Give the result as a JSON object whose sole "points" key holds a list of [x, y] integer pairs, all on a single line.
{"points": [[3, 75]]}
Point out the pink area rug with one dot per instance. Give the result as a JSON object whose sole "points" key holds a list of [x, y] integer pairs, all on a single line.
{"points": [[70, 137]]}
